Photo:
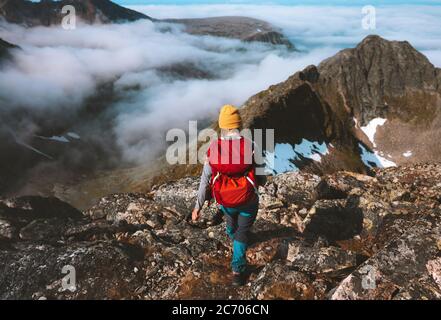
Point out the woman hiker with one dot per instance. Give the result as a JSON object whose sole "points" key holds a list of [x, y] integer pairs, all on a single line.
{"points": [[229, 178]]}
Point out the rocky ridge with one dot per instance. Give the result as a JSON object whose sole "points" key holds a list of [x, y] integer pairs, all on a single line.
{"points": [[342, 236], [48, 12]]}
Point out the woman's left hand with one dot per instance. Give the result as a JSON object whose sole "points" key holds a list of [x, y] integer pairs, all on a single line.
{"points": [[195, 215]]}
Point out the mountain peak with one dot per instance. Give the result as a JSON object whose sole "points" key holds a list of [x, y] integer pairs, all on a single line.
{"points": [[372, 38], [402, 49], [376, 40], [375, 70]]}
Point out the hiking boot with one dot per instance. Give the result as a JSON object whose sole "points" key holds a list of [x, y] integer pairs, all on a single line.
{"points": [[238, 279]]}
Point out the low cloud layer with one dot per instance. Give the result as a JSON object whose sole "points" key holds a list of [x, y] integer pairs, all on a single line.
{"points": [[57, 70]]}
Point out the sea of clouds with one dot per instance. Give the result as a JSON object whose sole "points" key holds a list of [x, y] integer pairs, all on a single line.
{"points": [[59, 69], [337, 26]]}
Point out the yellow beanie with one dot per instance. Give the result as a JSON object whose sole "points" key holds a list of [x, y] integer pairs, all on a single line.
{"points": [[229, 117]]}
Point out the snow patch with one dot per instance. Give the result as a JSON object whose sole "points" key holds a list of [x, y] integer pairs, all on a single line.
{"points": [[375, 158], [311, 150], [62, 139], [55, 138], [281, 159], [407, 154], [74, 135], [372, 159], [284, 155], [59, 139], [371, 129], [356, 122]]}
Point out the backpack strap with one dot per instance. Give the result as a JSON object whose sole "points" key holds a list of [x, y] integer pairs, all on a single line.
{"points": [[253, 184], [212, 184], [215, 178]]}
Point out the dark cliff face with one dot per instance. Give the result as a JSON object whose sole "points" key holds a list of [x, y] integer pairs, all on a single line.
{"points": [[46, 13]]}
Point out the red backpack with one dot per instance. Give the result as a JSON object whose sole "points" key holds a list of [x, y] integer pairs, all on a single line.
{"points": [[233, 181]]}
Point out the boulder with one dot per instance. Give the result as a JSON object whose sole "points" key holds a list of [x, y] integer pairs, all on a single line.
{"points": [[334, 220], [279, 282], [317, 258], [101, 271], [407, 267]]}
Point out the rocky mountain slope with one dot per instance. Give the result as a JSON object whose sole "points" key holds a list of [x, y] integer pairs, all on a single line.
{"points": [[47, 12], [342, 236], [387, 80]]}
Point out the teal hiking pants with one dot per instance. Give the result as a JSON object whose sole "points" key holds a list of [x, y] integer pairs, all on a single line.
{"points": [[239, 223]]}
